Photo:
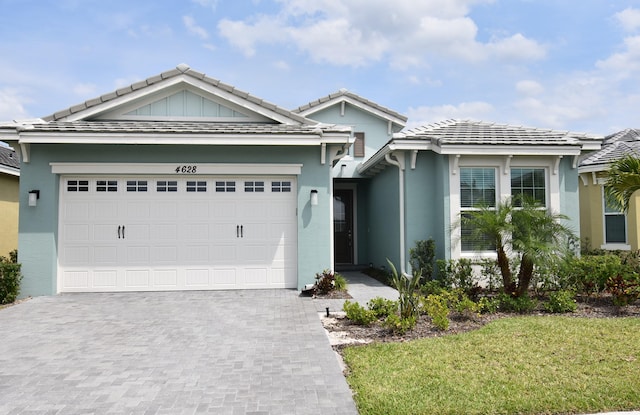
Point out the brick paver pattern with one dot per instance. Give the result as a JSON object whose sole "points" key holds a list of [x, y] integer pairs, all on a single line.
{"points": [[219, 352]]}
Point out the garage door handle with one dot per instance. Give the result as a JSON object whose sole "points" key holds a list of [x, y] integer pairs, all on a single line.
{"points": [[237, 231], [241, 232], [122, 231], [118, 232]]}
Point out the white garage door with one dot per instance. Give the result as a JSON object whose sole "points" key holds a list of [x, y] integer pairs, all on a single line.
{"points": [[168, 233]]}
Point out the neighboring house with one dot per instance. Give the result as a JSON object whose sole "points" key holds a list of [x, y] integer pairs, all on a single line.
{"points": [[183, 182], [9, 202], [603, 226]]}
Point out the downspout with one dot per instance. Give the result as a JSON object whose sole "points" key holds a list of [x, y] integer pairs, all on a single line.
{"points": [[399, 162]]}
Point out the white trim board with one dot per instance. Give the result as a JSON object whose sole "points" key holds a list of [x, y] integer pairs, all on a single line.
{"points": [[192, 169]]}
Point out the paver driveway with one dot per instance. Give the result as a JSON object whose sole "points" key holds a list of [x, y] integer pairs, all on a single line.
{"points": [[221, 352]]}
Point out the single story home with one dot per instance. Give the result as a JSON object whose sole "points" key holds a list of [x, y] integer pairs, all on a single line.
{"points": [[603, 226], [182, 182], [9, 189]]}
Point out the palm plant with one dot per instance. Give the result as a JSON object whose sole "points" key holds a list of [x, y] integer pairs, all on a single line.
{"points": [[523, 227], [406, 286], [623, 180]]}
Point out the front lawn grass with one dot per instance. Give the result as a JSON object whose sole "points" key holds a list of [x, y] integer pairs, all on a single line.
{"points": [[520, 365]]}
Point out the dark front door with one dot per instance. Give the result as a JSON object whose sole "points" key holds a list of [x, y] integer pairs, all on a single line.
{"points": [[343, 226]]}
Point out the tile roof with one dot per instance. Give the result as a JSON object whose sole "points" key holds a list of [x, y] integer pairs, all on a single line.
{"points": [[182, 69], [178, 127], [8, 157], [467, 132], [343, 93], [614, 147]]}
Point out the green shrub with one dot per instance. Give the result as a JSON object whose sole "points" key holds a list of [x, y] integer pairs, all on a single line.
{"points": [[435, 306], [458, 274], [358, 314], [10, 278], [624, 288], [399, 325], [382, 307], [421, 259], [589, 274], [521, 304], [562, 301], [432, 287], [488, 305], [339, 282]]}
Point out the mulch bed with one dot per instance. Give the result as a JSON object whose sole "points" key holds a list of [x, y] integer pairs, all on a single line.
{"points": [[349, 333]]}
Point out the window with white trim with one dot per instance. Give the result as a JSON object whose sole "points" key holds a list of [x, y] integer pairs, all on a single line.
{"points": [[477, 189], [529, 183], [615, 223]]}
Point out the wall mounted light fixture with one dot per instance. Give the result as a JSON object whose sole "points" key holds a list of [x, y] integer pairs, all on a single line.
{"points": [[34, 195], [313, 198]]}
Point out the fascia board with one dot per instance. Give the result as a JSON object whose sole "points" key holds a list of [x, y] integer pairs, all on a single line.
{"points": [[169, 168], [593, 169], [12, 171], [179, 139], [508, 150], [410, 145], [395, 145], [374, 160]]}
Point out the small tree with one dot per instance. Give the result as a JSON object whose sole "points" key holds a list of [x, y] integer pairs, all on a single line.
{"points": [[523, 227]]}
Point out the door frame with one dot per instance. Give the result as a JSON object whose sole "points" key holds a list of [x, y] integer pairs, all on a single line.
{"points": [[353, 187]]}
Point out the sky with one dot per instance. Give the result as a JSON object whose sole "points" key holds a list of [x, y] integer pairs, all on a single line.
{"points": [[560, 64]]}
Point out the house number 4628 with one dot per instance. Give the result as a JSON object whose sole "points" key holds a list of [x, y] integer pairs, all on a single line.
{"points": [[187, 169]]}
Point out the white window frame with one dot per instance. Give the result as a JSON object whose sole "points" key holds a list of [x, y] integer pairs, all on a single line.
{"points": [[503, 165], [613, 245]]}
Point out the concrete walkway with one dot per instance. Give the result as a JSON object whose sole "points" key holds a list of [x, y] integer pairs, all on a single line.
{"points": [[216, 352], [361, 287]]}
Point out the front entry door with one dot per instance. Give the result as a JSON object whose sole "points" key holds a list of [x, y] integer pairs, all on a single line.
{"points": [[343, 225]]}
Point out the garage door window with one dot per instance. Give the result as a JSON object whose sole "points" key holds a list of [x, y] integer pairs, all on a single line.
{"points": [[280, 187], [167, 186], [107, 186], [229, 187], [199, 186], [136, 185], [77, 185], [254, 187]]}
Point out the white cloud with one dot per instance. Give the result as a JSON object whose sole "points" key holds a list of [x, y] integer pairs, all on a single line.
{"points": [[517, 48], [212, 4], [359, 32], [194, 29], [625, 63], [529, 87], [12, 105], [629, 19], [476, 110], [282, 65]]}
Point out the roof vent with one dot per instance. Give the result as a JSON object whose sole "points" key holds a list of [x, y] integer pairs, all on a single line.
{"points": [[183, 67]]}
